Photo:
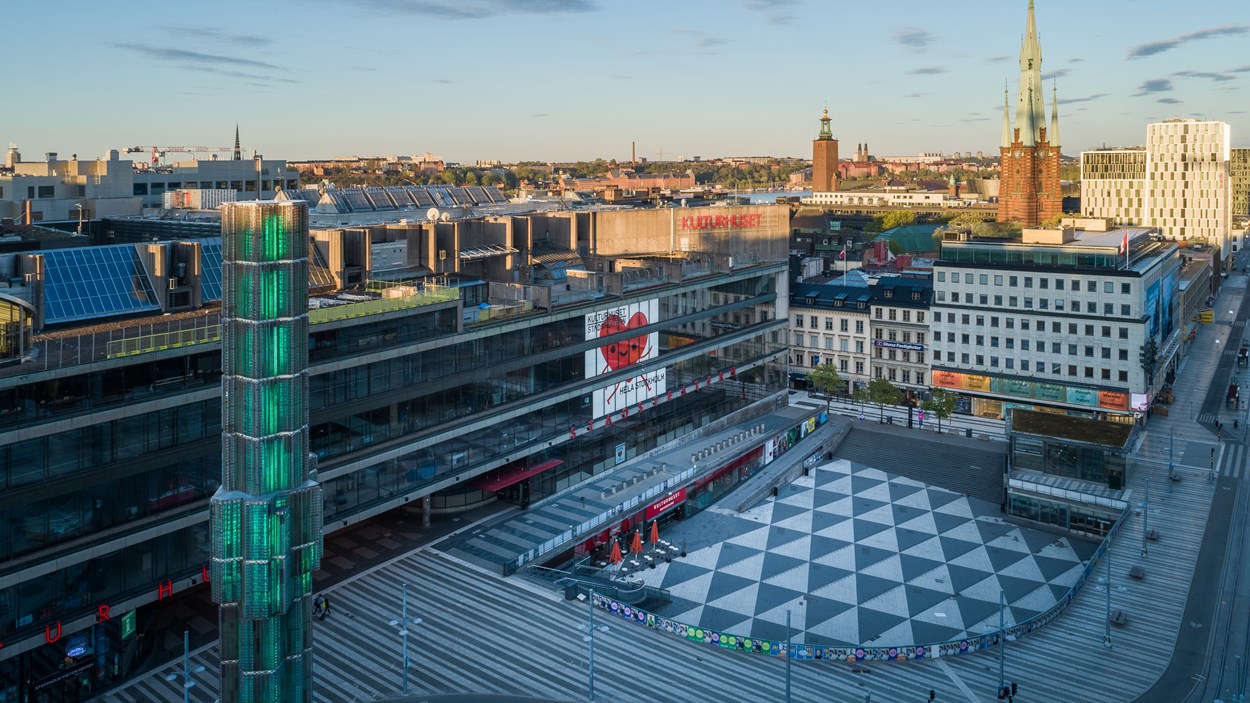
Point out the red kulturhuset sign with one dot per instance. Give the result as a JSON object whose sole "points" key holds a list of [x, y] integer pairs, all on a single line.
{"points": [[677, 497], [753, 219]]}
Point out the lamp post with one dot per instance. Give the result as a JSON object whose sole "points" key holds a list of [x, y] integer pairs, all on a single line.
{"points": [[403, 623], [187, 683], [1145, 520], [1002, 636], [1106, 638], [789, 655], [79, 208], [589, 628]]}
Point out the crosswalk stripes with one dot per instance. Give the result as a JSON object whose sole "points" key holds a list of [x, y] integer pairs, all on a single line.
{"points": [[1207, 418], [1234, 462]]}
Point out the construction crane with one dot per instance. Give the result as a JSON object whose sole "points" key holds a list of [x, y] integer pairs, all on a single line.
{"points": [[158, 152]]}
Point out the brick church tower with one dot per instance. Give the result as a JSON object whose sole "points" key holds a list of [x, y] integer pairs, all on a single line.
{"points": [[824, 158], [1028, 191]]}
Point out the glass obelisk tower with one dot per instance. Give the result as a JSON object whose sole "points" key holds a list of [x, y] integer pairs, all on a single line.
{"points": [[266, 518]]}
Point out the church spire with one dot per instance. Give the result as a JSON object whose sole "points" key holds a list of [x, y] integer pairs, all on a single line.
{"points": [[1031, 98], [238, 153], [1052, 135], [1005, 142]]}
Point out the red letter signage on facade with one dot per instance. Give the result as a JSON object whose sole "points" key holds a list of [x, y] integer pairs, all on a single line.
{"points": [[102, 613], [164, 589]]}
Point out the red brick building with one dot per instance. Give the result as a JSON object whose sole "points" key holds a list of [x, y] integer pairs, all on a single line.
{"points": [[824, 158], [1029, 191]]}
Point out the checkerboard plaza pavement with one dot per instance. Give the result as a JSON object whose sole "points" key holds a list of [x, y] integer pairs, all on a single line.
{"points": [[862, 557]]}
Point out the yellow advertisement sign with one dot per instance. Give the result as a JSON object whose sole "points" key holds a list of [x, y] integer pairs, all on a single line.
{"points": [[976, 383], [1207, 316]]}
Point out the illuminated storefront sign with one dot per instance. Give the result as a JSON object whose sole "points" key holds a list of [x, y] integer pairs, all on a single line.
{"points": [[1048, 392], [897, 345], [722, 221], [669, 501]]}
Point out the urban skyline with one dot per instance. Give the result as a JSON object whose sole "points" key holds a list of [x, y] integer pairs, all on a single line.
{"points": [[458, 80]]}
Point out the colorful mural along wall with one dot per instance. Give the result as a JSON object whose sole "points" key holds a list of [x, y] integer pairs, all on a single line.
{"points": [[1035, 390]]}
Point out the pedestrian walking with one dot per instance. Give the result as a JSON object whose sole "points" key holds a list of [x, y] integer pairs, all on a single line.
{"points": [[321, 606]]}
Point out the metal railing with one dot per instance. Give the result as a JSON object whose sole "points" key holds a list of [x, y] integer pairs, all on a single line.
{"points": [[161, 341]]}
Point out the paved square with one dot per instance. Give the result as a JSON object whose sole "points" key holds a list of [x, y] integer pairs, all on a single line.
{"points": [[862, 557]]}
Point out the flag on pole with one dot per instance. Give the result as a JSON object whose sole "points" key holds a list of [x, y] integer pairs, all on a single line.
{"points": [[842, 254], [1124, 244]]}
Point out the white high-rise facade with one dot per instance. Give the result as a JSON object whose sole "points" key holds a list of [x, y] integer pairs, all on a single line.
{"points": [[1179, 184], [1188, 191]]}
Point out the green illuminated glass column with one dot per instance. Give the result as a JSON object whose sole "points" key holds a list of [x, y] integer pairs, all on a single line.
{"points": [[266, 518]]}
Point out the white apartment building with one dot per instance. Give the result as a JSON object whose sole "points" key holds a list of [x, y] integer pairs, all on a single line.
{"points": [[831, 323], [1179, 184], [1055, 321], [900, 331]]}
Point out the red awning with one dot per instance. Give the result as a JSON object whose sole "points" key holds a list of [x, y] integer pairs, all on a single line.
{"points": [[499, 483]]}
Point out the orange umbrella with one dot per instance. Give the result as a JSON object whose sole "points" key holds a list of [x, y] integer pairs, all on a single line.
{"points": [[616, 552], [655, 531], [636, 546]]}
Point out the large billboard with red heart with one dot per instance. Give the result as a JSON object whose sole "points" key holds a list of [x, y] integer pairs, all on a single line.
{"points": [[621, 351]]}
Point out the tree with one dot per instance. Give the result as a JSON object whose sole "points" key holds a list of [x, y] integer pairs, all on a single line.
{"points": [[897, 218], [827, 380], [860, 395], [882, 393], [896, 247], [940, 403], [1051, 222]]}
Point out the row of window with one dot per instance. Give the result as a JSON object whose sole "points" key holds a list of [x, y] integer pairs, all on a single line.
{"points": [[1055, 347], [1043, 283], [1026, 324], [1037, 366], [843, 324], [814, 341], [1091, 307]]}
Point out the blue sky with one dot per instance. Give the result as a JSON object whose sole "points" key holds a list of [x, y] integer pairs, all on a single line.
{"points": [[579, 79]]}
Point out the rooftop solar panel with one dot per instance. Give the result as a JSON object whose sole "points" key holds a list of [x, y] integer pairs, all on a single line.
{"points": [[81, 284], [496, 195], [478, 195], [400, 195], [210, 269], [379, 198], [422, 196], [357, 201]]}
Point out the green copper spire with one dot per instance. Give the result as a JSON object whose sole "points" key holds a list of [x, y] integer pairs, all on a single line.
{"points": [[1030, 100], [825, 132], [1052, 135], [1006, 140]]}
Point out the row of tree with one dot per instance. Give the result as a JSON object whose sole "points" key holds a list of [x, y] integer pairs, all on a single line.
{"points": [[879, 391]]}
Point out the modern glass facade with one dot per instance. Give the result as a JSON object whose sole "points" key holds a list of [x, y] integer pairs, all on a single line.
{"points": [[403, 404]]}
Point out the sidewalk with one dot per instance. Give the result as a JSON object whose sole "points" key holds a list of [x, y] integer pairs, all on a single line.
{"points": [[955, 424]]}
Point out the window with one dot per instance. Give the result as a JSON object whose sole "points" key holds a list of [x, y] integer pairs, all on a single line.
{"points": [[964, 338], [1011, 343], [844, 325], [1059, 303], [1043, 303], [1089, 352], [965, 319], [812, 320], [1123, 376], [1071, 328], [798, 321], [1089, 372], [1091, 286], [1090, 307], [980, 340], [1024, 324], [1071, 350], [1071, 369], [842, 365], [828, 324], [1043, 283], [888, 293], [1123, 333], [877, 333], [859, 327], [1013, 301], [993, 341], [1125, 310], [955, 297], [1108, 308], [892, 313], [980, 360], [844, 345], [920, 316], [893, 355], [1012, 281], [907, 316], [963, 358], [815, 360], [798, 339], [920, 338], [980, 320], [998, 301], [994, 361], [1125, 288], [1108, 287], [985, 300], [985, 279], [859, 346], [1058, 284], [1028, 281], [829, 343], [877, 313], [1011, 323], [1089, 330], [1010, 362], [1123, 355], [1106, 331], [892, 373], [1055, 348], [1024, 364], [892, 335], [1024, 345], [968, 278], [941, 296], [941, 277], [1028, 303], [1106, 352], [998, 279]]}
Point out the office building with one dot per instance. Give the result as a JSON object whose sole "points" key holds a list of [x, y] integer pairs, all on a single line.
{"points": [[1239, 176], [501, 359], [1181, 183], [1029, 192], [1060, 320], [900, 330]]}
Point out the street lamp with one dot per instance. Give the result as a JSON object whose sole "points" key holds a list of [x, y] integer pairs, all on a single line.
{"points": [[187, 683], [79, 208], [589, 638], [403, 623]]}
